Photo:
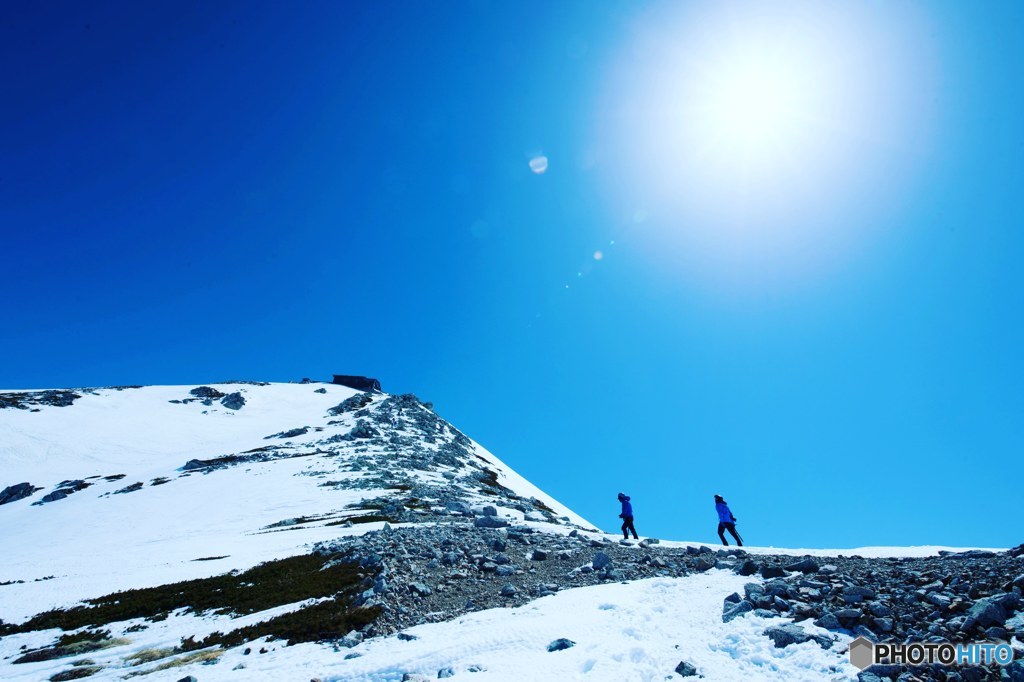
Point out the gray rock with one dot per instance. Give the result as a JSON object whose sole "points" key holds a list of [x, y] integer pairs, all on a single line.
{"points": [[233, 401], [421, 589], [206, 392], [509, 591], [458, 507], [352, 639], [489, 522], [561, 644], [601, 560], [785, 635], [985, 613], [768, 572], [805, 565], [539, 555], [737, 610], [748, 567], [686, 669], [445, 673], [20, 491], [829, 622], [848, 618], [490, 511], [854, 594], [705, 564]]}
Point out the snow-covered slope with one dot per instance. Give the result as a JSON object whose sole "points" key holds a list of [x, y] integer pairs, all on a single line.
{"points": [[112, 489], [243, 511]]}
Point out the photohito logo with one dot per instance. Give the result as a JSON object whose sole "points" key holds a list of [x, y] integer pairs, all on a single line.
{"points": [[864, 653]]}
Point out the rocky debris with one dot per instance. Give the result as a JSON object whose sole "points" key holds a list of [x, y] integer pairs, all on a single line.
{"points": [[320, 390], [290, 433], [805, 565], [206, 393], [686, 669], [356, 402], [233, 401], [19, 491], [64, 488], [28, 400], [129, 488], [957, 597], [467, 568], [561, 644]]}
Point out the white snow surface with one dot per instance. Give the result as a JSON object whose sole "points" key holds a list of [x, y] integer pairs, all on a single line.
{"points": [[95, 542]]}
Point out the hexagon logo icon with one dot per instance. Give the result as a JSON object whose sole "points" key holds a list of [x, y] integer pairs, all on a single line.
{"points": [[862, 652]]}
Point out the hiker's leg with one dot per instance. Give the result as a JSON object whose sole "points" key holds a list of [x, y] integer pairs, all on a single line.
{"points": [[721, 534]]}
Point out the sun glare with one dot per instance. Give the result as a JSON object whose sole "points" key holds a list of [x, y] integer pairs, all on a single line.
{"points": [[753, 109], [761, 130]]}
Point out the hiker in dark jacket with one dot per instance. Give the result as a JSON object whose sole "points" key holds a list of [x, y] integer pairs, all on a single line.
{"points": [[627, 517], [726, 521]]}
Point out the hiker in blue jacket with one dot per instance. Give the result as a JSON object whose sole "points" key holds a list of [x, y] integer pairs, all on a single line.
{"points": [[726, 521], [627, 517]]}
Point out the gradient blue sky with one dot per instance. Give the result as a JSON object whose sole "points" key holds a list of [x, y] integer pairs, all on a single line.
{"points": [[830, 336]]}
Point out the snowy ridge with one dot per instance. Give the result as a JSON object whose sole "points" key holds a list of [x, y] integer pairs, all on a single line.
{"points": [[111, 489]]}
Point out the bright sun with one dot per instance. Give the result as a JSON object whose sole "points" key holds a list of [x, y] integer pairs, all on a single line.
{"points": [[753, 109], [766, 131]]}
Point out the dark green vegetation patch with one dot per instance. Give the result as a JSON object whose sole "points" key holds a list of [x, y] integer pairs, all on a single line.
{"points": [[271, 584], [323, 621]]}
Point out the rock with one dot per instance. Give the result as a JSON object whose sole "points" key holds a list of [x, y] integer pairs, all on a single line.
{"points": [[539, 555], [509, 591], [986, 613], [20, 491], [561, 644], [490, 511], [768, 572], [489, 522], [350, 640], [784, 635], [320, 390], [601, 560], [421, 589], [748, 567], [805, 565], [733, 598], [854, 594], [829, 622], [535, 516], [189, 678], [233, 401], [737, 610], [704, 564], [848, 618], [685, 669], [445, 673], [206, 392], [1014, 672]]}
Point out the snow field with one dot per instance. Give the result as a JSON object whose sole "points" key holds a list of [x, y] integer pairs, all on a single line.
{"points": [[623, 632]]}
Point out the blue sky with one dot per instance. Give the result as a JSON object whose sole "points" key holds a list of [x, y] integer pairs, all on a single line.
{"points": [[775, 253]]}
